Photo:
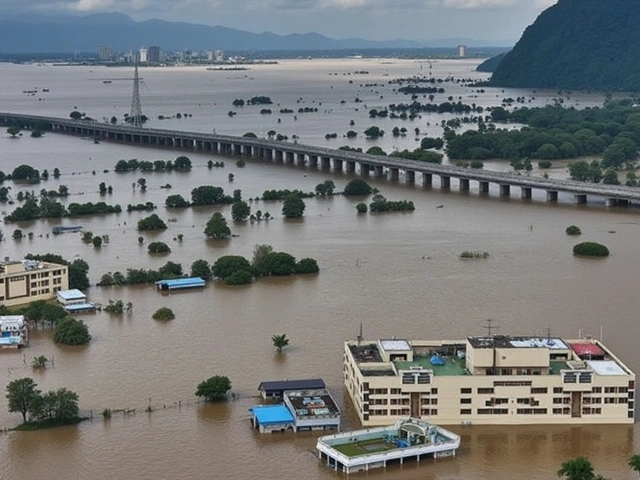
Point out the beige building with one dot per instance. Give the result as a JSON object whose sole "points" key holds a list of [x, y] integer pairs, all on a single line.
{"points": [[488, 380], [25, 281]]}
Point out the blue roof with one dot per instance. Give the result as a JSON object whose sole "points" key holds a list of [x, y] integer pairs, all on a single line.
{"points": [[182, 283], [73, 294], [272, 414]]}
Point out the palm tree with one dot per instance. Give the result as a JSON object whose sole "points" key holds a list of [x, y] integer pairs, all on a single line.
{"points": [[634, 463], [39, 362], [280, 341], [579, 468]]}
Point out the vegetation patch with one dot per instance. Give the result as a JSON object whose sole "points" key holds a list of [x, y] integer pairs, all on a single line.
{"points": [[474, 254], [573, 230], [590, 249], [164, 314]]}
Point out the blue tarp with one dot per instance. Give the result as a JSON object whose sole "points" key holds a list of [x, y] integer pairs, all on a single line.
{"points": [[436, 360]]}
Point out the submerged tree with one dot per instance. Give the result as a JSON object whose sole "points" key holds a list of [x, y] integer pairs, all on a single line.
{"points": [[214, 388], [280, 341]]}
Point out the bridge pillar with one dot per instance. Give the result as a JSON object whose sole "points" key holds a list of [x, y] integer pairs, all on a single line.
{"points": [[410, 176], [351, 167], [610, 202], [525, 193], [248, 151], [313, 161], [279, 155], [378, 171], [505, 190], [464, 184], [623, 201], [364, 169], [579, 198], [267, 154], [337, 165], [301, 158], [289, 157], [483, 187], [445, 181], [325, 163], [427, 179], [552, 195], [394, 173]]}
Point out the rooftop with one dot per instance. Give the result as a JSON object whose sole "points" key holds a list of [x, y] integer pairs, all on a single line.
{"points": [[73, 294], [395, 345], [282, 385], [453, 366], [366, 353], [506, 341], [312, 403], [272, 414], [182, 282]]}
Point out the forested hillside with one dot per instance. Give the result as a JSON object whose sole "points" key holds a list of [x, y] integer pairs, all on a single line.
{"points": [[577, 44]]}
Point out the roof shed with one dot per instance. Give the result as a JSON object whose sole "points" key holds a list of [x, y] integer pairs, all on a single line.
{"points": [[277, 388], [180, 283]]}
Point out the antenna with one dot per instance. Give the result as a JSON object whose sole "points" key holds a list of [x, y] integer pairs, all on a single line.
{"points": [[489, 327], [136, 107], [359, 337], [548, 333]]}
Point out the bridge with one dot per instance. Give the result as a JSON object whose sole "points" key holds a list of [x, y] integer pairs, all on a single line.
{"points": [[329, 159]]}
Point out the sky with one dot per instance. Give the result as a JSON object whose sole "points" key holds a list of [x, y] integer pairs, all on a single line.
{"points": [[497, 21]]}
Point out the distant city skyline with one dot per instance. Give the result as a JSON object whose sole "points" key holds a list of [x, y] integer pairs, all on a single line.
{"points": [[499, 21]]}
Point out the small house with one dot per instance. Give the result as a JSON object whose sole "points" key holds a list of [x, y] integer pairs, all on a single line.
{"points": [[180, 283]]}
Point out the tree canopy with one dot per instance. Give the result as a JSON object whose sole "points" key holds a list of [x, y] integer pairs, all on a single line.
{"points": [[214, 388], [217, 227], [69, 331], [21, 395]]}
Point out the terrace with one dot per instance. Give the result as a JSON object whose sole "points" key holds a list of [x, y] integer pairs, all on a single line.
{"points": [[452, 366], [366, 353]]}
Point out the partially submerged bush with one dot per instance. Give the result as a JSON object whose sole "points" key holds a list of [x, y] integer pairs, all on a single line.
{"points": [[591, 249], [573, 230]]}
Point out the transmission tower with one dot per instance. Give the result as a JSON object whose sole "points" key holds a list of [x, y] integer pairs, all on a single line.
{"points": [[136, 107]]}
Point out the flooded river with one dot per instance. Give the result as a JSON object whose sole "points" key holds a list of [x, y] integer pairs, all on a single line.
{"points": [[399, 274]]}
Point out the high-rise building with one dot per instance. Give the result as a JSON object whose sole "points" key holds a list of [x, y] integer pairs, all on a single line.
{"points": [[105, 53], [26, 281], [153, 54], [462, 50], [144, 55]]}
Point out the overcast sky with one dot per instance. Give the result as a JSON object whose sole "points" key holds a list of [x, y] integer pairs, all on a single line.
{"points": [[499, 21]]}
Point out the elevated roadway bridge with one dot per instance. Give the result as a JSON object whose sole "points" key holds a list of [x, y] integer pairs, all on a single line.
{"points": [[330, 159]]}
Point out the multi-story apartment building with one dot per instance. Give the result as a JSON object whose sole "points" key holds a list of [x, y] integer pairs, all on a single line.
{"points": [[25, 281], [488, 380]]}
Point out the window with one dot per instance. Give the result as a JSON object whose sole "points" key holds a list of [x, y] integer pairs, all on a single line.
{"points": [[596, 390], [434, 411], [408, 378], [512, 384], [539, 389], [500, 401], [609, 400], [623, 389], [559, 400], [609, 389], [378, 391], [485, 390], [557, 389], [465, 400], [434, 391], [524, 401], [622, 400], [557, 411], [434, 401], [465, 411], [396, 391], [465, 390]]}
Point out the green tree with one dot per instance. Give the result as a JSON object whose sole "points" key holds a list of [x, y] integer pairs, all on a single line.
{"points": [[217, 227], [209, 195], [307, 265], [57, 406], [26, 173], [201, 268], [260, 252], [579, 468], [214, 388], [373, 132], [117, 307], [182, 163], [634, 463], [277, 263], [239, 277], [152, 222], [97, 241], [40, 362], [610, 177], [13, 131], [164, 314], [240, 210], [69, 331], [176, 201], [280, 341], [356, 187], [228, 264], [158, 247], [21, 394], [293, 207]]}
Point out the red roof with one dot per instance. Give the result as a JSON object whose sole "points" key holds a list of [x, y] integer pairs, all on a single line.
{"points": [[592, 349]]}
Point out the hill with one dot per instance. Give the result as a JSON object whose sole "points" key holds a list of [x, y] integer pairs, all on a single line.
{"points": [[578, 45]]}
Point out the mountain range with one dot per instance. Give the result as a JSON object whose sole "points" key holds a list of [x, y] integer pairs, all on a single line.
{"points": [[68, 33]]}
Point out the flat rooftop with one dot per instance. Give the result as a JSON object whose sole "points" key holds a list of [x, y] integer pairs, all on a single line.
{"points": [[366, 353], [505, 341], [312, 403], [272, 414], [453, 366]]}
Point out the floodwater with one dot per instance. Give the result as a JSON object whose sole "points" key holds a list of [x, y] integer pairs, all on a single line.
{"points": [[399, 274]]}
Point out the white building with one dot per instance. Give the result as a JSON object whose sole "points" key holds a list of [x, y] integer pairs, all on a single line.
{"points": [[462, 50], [144, 55], [13, 331], [26, 281], [489, 380]]}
